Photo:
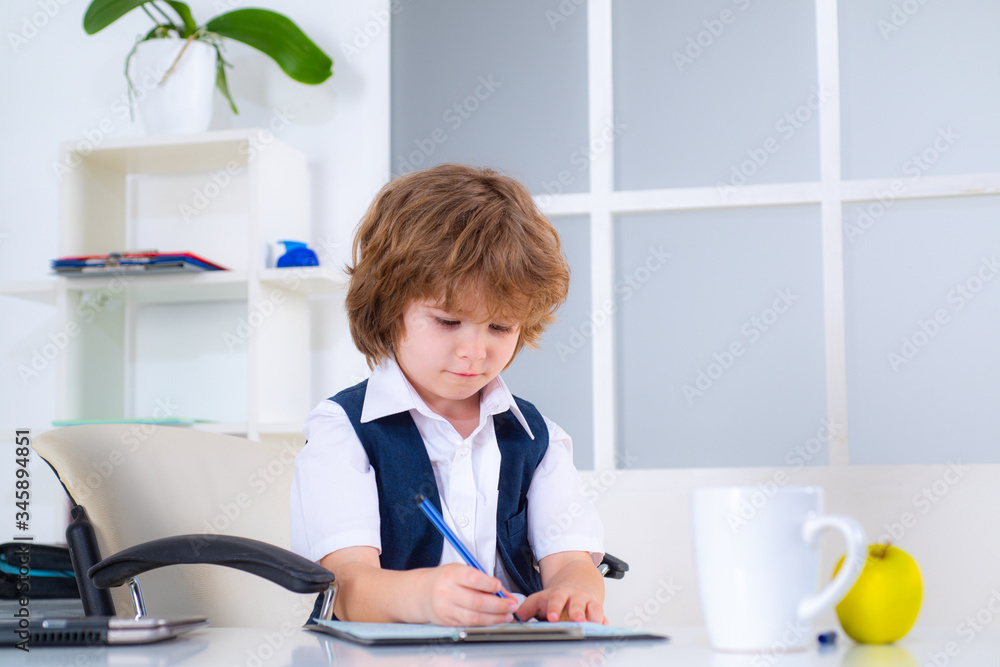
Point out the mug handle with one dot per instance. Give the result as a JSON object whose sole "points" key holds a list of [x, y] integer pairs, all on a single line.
{"points": [[857, 554]]}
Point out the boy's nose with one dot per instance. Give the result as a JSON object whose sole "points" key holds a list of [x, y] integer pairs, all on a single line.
{"points": [[472, 346]]}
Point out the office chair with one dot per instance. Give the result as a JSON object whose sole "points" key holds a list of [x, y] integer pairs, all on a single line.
{"points": [[155, 495]]}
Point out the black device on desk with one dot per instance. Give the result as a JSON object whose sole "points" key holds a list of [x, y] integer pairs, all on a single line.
{"points": [[93, 630]]}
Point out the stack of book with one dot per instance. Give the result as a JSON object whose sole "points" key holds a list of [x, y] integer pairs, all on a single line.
{"points": [[148, 261]]}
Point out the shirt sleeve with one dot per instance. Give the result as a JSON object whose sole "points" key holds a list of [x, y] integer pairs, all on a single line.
{"points": [[560, 516], [334, 499]]}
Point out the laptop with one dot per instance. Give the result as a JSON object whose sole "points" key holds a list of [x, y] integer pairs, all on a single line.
{"points": [[94, 630]]}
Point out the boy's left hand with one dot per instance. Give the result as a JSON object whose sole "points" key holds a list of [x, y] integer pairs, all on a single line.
{"points": [[563, 603], [573, 590]]}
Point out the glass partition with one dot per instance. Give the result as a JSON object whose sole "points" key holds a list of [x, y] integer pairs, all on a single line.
{"points": [[557, 377], [920, 89], [923, 311], [500, 84], [719, 338], [715, 92]]}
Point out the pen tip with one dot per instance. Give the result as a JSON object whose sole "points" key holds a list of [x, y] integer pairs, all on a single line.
{"points": [[420, 498]]}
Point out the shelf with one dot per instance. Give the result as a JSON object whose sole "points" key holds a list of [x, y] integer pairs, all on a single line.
{"points": [[168, 287], [232, 428], [178, 153], [183, 287], [217, 340], [311, 280], [42, 291]]}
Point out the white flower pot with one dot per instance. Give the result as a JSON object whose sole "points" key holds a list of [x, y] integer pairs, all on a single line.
{"points": [[181, 103]]}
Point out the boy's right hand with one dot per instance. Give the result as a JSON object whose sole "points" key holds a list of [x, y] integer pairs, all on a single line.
{"points": [[457, 594]]}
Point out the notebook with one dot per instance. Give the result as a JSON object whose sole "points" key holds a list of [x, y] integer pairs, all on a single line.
{"points": [[374, 634], [94, 630]]}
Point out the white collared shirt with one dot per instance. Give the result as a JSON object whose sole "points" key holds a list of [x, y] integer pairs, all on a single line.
{"points": [[334, 500]]}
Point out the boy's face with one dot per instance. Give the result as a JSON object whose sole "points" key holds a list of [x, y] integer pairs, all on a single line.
{"points": [[449, 356]]}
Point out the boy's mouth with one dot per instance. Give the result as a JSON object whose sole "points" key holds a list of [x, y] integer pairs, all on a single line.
{"points": [[465, 375]]}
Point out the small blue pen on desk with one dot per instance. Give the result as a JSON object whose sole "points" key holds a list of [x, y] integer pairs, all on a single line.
{"points": [[438, 521]]}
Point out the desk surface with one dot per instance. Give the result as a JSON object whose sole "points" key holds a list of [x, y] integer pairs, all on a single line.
{"points": [[252, 647]]}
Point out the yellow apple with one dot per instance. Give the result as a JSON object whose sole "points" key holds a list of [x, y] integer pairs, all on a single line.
{"points": [[885, 600]]}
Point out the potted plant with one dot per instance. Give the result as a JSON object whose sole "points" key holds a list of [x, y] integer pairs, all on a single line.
{"points": [[182, 60]]}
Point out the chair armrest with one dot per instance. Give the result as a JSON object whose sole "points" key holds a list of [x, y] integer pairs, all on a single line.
{"points": [[613, 568], [265, 560]]}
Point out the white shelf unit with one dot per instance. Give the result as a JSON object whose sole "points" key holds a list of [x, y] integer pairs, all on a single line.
{"points": [[142, 193]]}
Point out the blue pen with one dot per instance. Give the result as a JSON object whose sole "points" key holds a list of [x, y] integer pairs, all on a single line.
{"points": [[438, 521]]}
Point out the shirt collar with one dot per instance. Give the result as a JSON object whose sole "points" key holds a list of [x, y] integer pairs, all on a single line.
{"points": [[389, 393]]}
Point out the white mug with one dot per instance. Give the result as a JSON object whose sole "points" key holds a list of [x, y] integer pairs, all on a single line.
{"points": [[757, 559]]}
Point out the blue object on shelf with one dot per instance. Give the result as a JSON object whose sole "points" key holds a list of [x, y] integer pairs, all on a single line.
{"points": [[297, 254]]}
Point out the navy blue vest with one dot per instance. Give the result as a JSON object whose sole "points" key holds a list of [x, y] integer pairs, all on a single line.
{"points": [[402, 468]]}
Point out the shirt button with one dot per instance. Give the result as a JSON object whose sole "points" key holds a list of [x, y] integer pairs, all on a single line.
{"points": [[463, 521], [463, 450]]}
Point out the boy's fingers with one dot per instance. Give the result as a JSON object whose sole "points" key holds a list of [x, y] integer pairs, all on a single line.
{"points": [[470, 577], [556, 603], [595, 613], [577, 611], [529, 607]]}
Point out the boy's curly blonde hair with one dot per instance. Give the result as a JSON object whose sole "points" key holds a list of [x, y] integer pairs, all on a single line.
{"points": [[447, 234]]}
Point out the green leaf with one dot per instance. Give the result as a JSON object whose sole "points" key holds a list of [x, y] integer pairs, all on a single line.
{"points": [[102, 13], [220, 79], [277, 37], [185, 13]]}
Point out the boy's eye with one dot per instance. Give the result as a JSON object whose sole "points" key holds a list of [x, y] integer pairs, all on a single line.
{"points": [[446, 322], [501, 328]]}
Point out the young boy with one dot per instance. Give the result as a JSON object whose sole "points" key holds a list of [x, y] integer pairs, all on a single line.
{"points": [[454, 270]]}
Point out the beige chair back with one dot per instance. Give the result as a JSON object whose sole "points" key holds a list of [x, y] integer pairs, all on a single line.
{"points": [[140, 482]]}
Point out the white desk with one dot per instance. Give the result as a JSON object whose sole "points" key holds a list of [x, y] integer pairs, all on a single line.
{"points": [[250, 647]]}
